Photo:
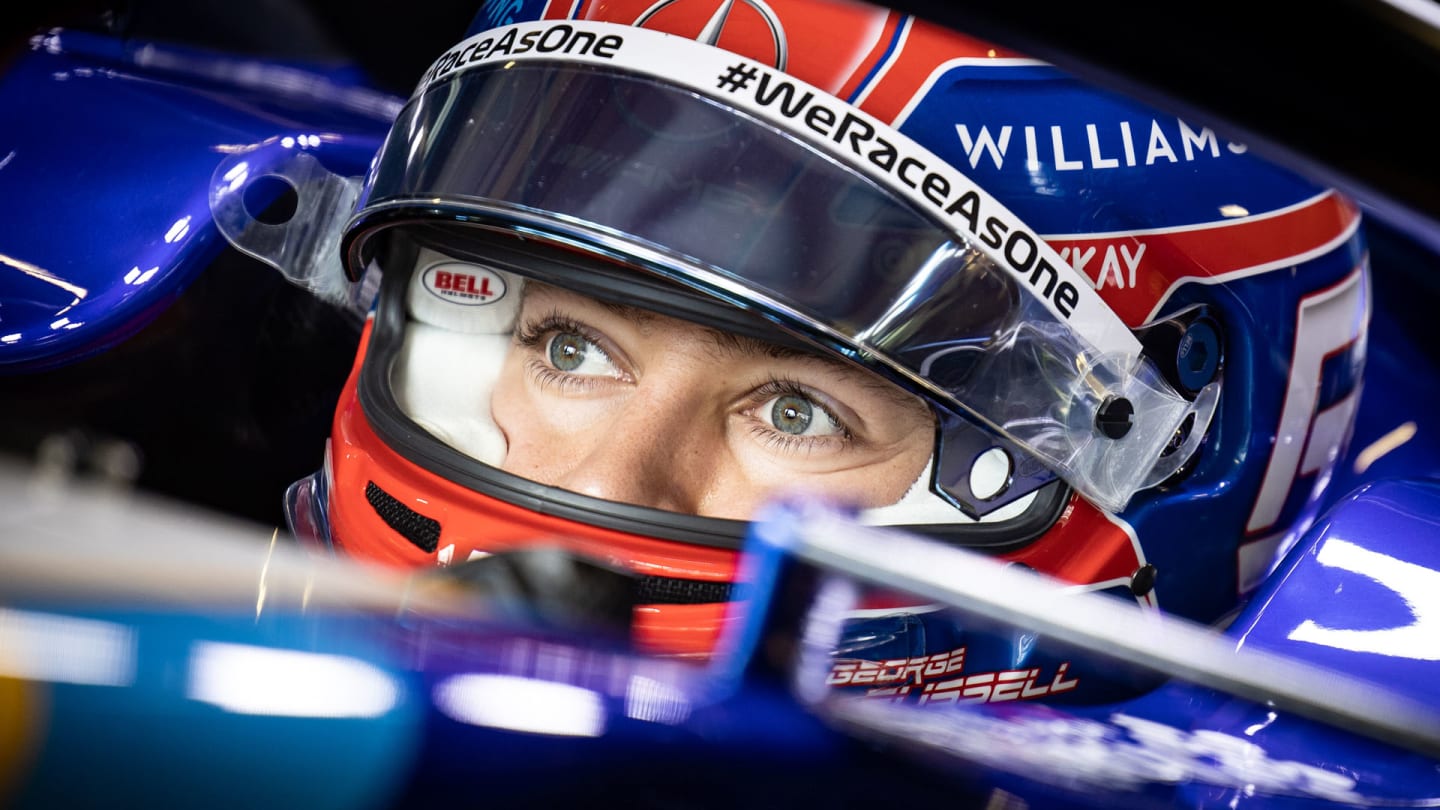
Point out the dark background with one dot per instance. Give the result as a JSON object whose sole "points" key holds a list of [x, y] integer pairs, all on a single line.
{"points": [[392, 42]]}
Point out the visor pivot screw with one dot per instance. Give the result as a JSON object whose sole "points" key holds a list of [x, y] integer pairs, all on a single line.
{"points": [[1115, 417], [1197, 357], [1143, 580]]}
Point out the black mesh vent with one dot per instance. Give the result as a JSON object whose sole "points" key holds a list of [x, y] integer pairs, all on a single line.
{"points": [[672, 591], [424, 532]]}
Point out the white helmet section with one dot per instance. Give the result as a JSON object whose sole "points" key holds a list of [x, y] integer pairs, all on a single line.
{"points": [[461, 316]]}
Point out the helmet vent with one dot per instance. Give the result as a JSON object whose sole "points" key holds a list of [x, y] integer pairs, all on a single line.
{"points": [[653, 590], [424, 532]]}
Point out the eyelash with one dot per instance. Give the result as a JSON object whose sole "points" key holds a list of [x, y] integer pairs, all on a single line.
{"points": [[533, 333], [777, 387]]}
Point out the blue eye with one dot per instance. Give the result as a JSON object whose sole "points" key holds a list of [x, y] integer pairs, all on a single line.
{"points": [[792, 414], [573, 353], [795, 414], [567, 351]]}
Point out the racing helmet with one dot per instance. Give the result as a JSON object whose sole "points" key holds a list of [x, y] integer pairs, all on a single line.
{"points": [[1138, 347]]}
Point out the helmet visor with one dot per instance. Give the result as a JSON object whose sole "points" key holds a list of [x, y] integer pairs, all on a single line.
{"points": [[700, 192]]}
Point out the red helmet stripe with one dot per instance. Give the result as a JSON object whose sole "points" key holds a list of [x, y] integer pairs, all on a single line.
{"points": [[888, 45], [562, 9], [912, 68], [1136, 271]]}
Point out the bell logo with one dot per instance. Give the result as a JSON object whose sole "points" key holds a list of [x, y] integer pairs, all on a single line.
{"points": [[466, 284], [462, 283], [755, 25]]}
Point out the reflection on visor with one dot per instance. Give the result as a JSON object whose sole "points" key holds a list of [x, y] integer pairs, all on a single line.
{"points": [[643, 160], [709, 197]]}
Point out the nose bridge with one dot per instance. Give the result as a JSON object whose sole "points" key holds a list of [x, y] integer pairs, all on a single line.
{"points": [[660, 451]]}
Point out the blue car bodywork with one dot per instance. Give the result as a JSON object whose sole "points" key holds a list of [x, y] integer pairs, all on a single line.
{"points": [[1320, 692]]}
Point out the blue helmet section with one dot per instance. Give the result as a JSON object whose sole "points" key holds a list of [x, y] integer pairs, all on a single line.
{"points": [[1076, 161], [1071, 159]]}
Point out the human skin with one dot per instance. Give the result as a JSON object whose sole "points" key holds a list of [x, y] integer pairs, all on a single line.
{"points": [[628, 405]]}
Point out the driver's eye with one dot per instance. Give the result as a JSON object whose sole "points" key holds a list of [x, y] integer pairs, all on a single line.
{"points": [[567, 351], [796, 415], [573, 353], [791, 414]]}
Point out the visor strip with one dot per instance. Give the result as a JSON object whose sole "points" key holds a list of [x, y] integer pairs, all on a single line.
{"points": [[828, 123]]}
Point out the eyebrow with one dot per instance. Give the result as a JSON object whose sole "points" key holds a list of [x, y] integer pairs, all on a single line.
{"points": [[729, 342], [736, 345]]}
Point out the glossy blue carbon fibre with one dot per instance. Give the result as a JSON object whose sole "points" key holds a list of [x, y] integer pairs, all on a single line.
{"points": [[1357, 595], [1204, 749], [363, 709], [114, 144], [1362, 594], [340, 710], [1180, 744]]}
